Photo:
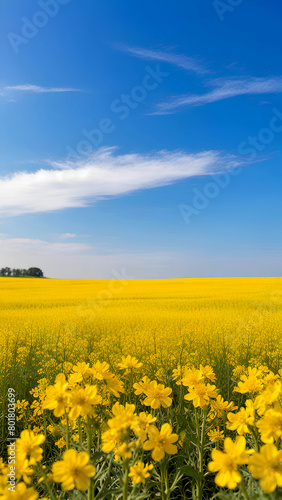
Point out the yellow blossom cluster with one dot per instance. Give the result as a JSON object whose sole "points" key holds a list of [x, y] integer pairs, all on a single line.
{"points": [[169, 389]]}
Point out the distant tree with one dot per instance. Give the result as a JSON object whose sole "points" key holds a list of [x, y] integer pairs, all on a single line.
{"points": [[17, 272], [6, 271], [32, 271], [35, 272]]}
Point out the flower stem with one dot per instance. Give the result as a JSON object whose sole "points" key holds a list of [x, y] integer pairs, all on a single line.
{"points": [[244, 491], [67, 431], [125, 481], [47, 485], [79, 431], [201, 455], [89, 437], [254, 438]]}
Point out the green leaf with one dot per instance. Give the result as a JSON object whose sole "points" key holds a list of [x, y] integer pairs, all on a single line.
{"points": [[187, 470]]}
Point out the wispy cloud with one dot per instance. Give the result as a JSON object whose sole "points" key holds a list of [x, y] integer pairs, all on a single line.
{"points": [[102, 176], [36, 89], [222, 89], [168, 56], [66, 236], [36, 247]]}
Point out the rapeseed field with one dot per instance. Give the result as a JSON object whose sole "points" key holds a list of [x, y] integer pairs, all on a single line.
{"points": [[134, 389]]}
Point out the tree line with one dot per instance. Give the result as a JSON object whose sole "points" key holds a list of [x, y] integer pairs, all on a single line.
{"points": [[35, 272]]}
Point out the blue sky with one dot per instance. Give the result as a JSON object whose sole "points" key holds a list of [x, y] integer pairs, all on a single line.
{"points": [[141, 138]]}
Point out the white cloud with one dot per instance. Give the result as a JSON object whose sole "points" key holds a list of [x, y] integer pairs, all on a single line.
{"points": [[180, 60], [25, 248], [101, 176], [37, 89], [223, 89], [66, 236]]}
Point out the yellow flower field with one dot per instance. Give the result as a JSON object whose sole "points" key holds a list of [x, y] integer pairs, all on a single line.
{"points": [[139, 389]]}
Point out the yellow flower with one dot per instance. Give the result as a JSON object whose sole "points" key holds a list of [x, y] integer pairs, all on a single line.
{"points": [[111, 438], [82, 400], [240, 421], [74, 379], [216, 435], [192, 377], [123, 419], [200, 394], [115, 386], [226, 463], [129, 362], [3, 467], [124, 451], [157, 395], [177, 374], [267, 466], [269, 396], [161, 441], [21, 493], [28, 446], [219, 406], [67, 366], [83, 369], [141, 425], [54, 430], [100, 371], [142, 386], [238, 371], [23, 469], [124, 416], [73, 471], [208, 373], [250, 384], [56, 396], [139, 472], [270, 426], [61, 443]]}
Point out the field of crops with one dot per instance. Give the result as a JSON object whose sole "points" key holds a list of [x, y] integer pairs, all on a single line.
{"points": [[134, 389]]}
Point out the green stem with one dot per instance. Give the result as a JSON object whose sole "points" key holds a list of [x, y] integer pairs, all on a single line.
{"points": [[89, 442], [47, 485], [79, 431], [254, 438], [89, 437], [44, 423], [125, 481], [244, 491], [201, 456], [162, 481], [197, 424], [67, 431]]}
